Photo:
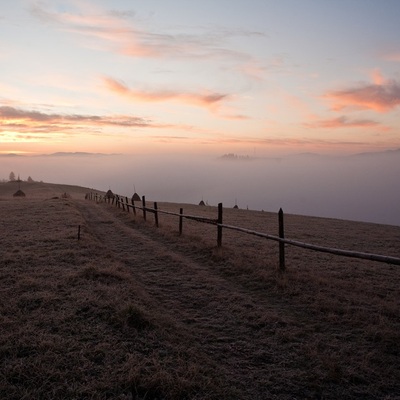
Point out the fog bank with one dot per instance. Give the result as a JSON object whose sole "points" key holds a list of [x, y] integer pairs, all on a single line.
{"points": [[361, 188]]}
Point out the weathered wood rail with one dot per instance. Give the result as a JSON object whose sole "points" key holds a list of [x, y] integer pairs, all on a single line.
{"points": [[123, 202]]}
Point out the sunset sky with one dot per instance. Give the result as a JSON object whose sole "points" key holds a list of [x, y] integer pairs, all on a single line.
{"points": [[211, 77]]}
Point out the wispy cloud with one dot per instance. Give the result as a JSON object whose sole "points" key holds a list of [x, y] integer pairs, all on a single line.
{"points": [[117, 31], [220, 139], [209, 100], [377, 77], [381, 96], [236, 117], [26, 121], [110, 31], [393, 56], [289, 142], [257, 70], [342, 122]]}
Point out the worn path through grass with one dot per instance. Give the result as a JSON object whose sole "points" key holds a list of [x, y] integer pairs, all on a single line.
{"points": [[298, 334], [217, 315]]}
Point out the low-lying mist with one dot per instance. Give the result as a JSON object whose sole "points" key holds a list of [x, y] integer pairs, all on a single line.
{"points": [[361, 188]]}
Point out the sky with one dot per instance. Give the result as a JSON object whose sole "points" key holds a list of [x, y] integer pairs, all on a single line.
{"points": [[187, 81]]}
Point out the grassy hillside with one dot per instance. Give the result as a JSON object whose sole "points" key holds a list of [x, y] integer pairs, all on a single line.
{"points": [[130, 311], [41, 190]]}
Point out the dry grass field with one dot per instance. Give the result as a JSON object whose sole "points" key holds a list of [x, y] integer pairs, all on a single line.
{"points": [[130, 311]]}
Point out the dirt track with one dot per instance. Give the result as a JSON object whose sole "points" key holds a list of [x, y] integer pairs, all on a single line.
{"points": [[229, 324]]}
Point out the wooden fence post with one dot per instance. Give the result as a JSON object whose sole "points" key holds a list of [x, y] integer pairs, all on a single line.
{"points": [[156, 213], [127, 204], [133, 206], [219, 228], [180, 221], [281, 244], [144, 207], [79, 232]]}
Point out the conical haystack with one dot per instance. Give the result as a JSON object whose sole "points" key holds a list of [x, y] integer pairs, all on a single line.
{"points": [[136, 197], [109, 194], [19, 193], [202, 203]]}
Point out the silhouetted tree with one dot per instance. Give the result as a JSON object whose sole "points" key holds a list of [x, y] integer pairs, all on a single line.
{"points": [[30, 180], [12, 176]]}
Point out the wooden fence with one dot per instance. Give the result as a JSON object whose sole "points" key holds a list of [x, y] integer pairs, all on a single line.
{"points": [[123, 202]]}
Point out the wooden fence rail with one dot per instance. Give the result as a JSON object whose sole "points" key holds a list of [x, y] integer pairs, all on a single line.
{"points": [[339, 252], [124, 203]]}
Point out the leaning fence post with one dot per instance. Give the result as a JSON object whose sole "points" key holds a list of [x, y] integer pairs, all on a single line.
{"points": [[144, 207], [156, 213], [219, 227], [180, 220], [281, 244]]}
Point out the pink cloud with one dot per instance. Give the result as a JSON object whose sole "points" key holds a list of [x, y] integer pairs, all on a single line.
{"points": [[380, 97], [342, 122], [377, 77], [236, 117], [116, 31], [209, 100], [394, 56], [107, 29], [24, 121]]}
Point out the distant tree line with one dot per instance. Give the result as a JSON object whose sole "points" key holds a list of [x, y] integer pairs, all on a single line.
{"points": [[232, 156], [12, 178]]}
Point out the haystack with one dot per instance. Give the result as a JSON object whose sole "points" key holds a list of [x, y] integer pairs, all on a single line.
{"points": [[109, 194], [202, 203], [19, 193], [136, 197]]}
